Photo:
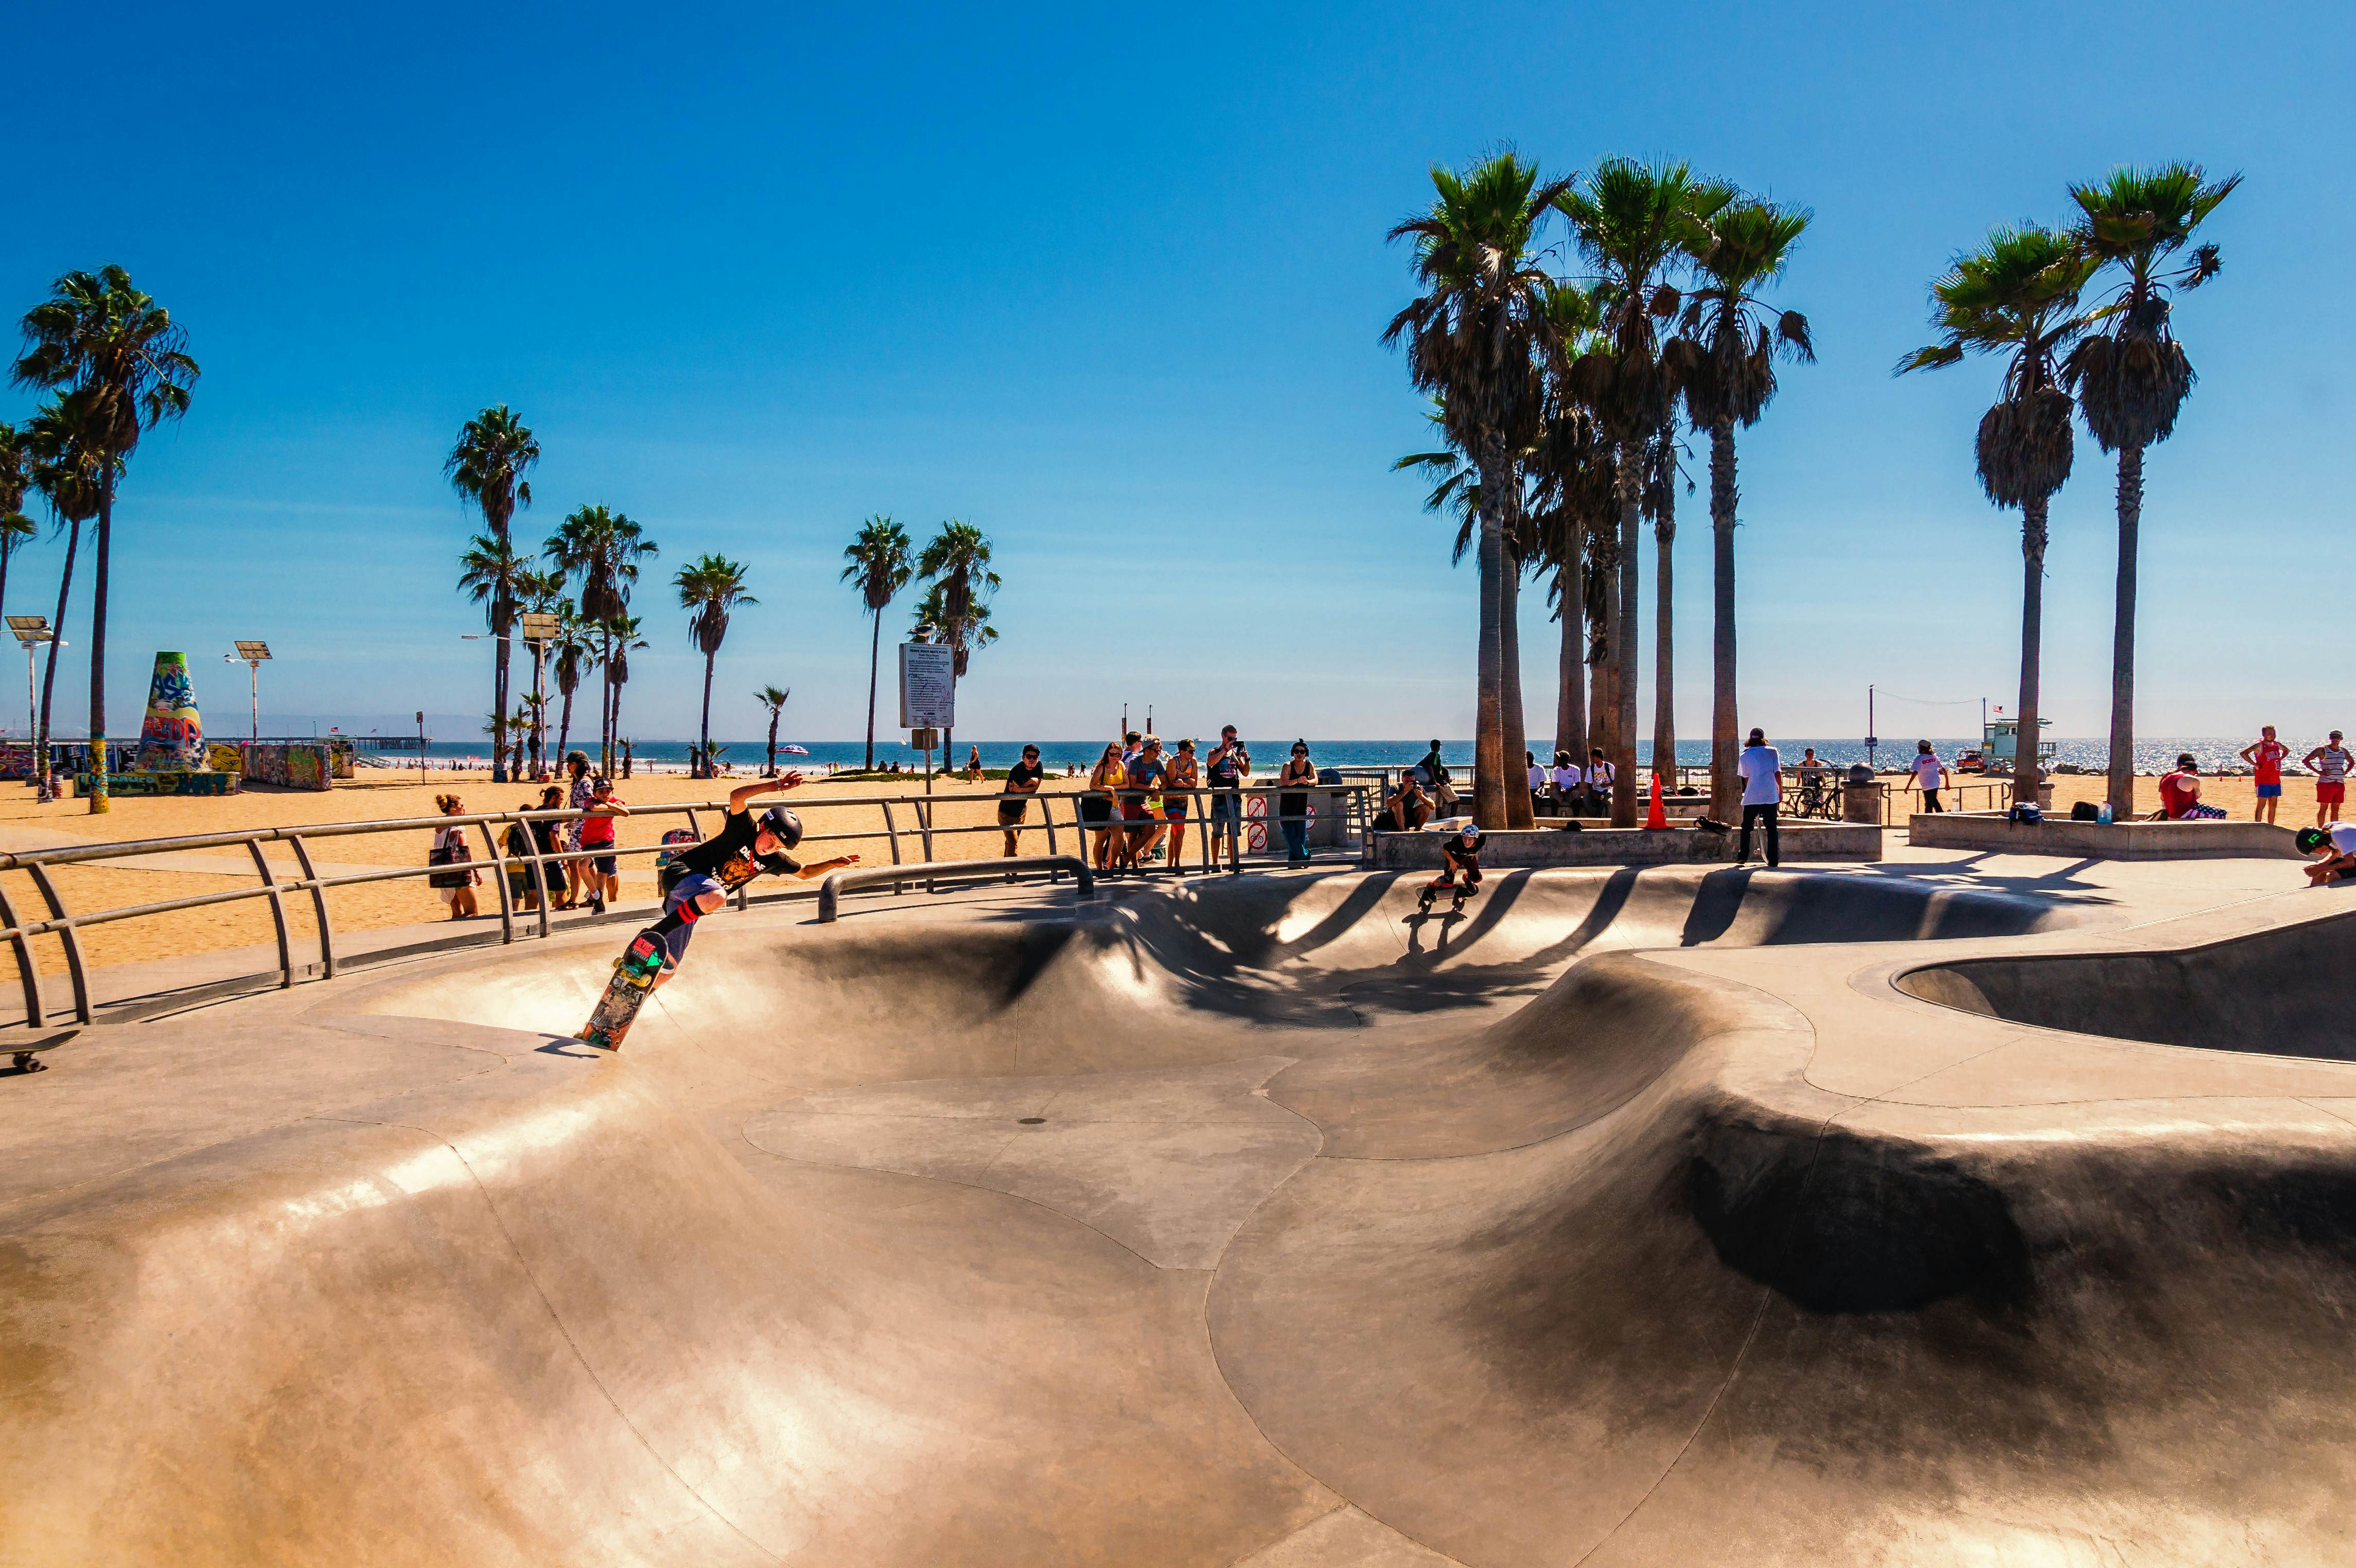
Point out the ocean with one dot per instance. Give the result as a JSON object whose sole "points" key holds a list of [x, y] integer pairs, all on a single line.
{"points": [[2154, 754]]}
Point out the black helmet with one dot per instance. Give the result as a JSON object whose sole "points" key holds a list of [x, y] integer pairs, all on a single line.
{"points": [[2310, 839], [784, 824]]}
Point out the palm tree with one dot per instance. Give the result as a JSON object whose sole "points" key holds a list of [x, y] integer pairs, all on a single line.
{"points": [[972, 634], [602, 548], [774, 698], [957, 564], [621, 634], [2132, 379], [880, 563], [1574, 510], [487, 464], [65, 470], [492, 575], [541, 592], [575, 657], [99, 336], [14, 476], [1471, 336], [710, 587], [1740, 339], [1633, 222], [2017, 297]]}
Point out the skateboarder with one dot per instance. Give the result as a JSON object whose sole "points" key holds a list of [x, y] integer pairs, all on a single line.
{"points": [[696, 883], [2335, 851], [1460, 853]]}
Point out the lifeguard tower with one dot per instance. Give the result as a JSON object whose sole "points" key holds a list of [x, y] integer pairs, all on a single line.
{"points": [[2000, 740]]}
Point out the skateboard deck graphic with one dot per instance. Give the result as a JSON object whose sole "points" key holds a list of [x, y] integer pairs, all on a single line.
{"points": [[634, 980]]}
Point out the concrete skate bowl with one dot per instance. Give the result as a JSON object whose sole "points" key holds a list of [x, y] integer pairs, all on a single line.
{"points": [[1183, 1230], [2275, 992]]}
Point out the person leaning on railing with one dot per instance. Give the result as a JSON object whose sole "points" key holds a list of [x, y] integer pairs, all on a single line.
{"points": [[1228, 767], [1293, 808], [1096, 806], [1022, 783]]}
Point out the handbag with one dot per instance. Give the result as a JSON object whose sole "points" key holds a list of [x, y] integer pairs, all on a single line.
{"points": [[454, 853]]}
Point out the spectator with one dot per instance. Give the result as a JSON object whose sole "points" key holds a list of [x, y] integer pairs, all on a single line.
{"points": [[2329, 762], [2335, 847], [1099, 808], [596, 825], [1407, 808], [1566, 779], [1601, 776], [577, 798], [528, 882], [1141, 803], [2267, 756], [1229, 766], [1022, 783], [1930, 773], [456, 888], [1185, 773], [1131, 744], [1762, 772], [1435, 777], [1293, 808], [1538, 780], [2180, 792], [973, 765]]}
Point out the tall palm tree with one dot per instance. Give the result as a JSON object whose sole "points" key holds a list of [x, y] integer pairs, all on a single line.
{"points": [[879, 563], [710, 587], [1573, 499], [15, 475], [575, 656], [1739, 337], [622, 639], [491, 574], [2132, 379], [969, 633], [1633, 221], [2017, 297], [602, 548], [98, 335], [65, 470], [774, 698], [1471, 336], [487, 464], [957, 564]]}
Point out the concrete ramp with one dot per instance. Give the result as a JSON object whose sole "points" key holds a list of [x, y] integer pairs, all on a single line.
{"points": [[1267, 1222]]}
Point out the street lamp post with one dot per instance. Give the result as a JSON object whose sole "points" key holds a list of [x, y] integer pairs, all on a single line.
{"points": [[255, 653], [33, 631], [538, 627]]}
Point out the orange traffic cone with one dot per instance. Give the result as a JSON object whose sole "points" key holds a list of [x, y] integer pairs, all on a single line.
{"points": [[1657, 819]]}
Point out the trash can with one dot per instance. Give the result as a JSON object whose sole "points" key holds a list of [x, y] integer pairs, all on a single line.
{"points": [[1861, 795]]}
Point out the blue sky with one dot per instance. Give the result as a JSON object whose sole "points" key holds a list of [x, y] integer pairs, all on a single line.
{"points": [[1111, 287]]}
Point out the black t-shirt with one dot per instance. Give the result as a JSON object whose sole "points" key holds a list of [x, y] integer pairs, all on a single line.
{"points": [[727, 855], [1461, 853], [1227, 766], [1434, 770], [1023, 773]]}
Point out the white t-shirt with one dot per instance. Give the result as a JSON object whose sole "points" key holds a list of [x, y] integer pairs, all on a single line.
{"points": [[1566, 777], [1538, 777], [1927, 769], [1603, 775], [2343, 837], [1759, 767]]}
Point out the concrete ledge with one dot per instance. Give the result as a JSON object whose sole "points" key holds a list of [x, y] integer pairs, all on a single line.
{"points": [[1507, 850], [2101, 841]]}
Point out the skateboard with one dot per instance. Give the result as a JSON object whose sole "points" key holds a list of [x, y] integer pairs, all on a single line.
{"points": [[27, 1057], [1459, 893], [635, 973]]}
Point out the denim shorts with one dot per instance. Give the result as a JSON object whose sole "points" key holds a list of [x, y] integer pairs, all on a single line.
{"points": [[1227, 806], [605, 865], [692, 885]]}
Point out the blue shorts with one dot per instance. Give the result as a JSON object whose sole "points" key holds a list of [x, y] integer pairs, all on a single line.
{"points": [[1227, 806], [2270, 791], [692, 885]]}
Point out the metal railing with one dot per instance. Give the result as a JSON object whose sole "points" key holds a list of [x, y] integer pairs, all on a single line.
{"points": [[535, 872], [837, 883]]}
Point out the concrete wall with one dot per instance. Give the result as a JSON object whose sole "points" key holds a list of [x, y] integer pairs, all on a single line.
{"points": [[1627, 847], [2101, 841]]}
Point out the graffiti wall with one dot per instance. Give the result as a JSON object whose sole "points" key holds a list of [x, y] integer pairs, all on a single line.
{"points": [[172, 738], [299, 764], [223, 757], [167, 781]]}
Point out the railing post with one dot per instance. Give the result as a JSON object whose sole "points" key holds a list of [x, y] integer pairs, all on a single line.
{"points": [[75, 969], [1047, 809], [277, 913], [500, 877], [27, 970], [891, 832], [318, 908], [923, 807]]}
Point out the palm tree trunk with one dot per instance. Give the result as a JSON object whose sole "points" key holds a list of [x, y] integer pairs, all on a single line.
{"points": [[499, 619], [1515, 739], [704, 729], [1623, 787], [98, 795], [564, 725], [773, 741], [2033, 633], [1488, 708], [2121, 790], [49, 674], [1603, 707], [1570, 697], [1664, 691], [1725, 748], [875, 653]]}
